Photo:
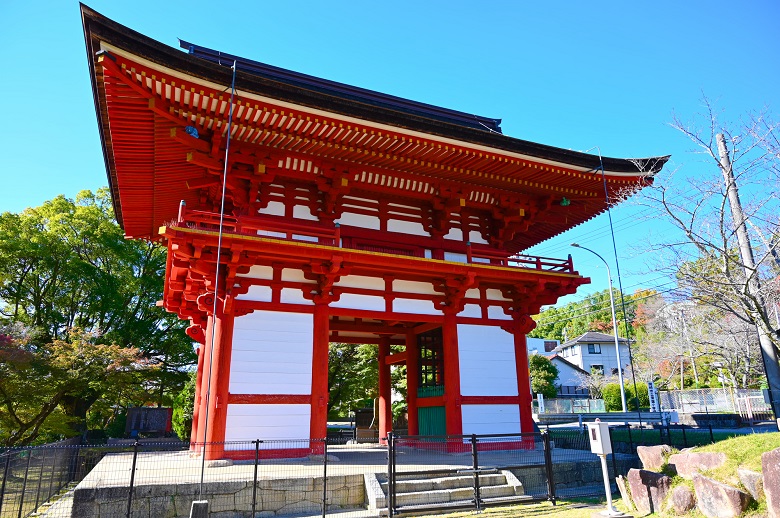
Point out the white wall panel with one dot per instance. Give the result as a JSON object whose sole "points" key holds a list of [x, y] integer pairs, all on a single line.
{"points": [[454, 234], [471, 310], [275, 208], [423, 288], [487, 419], [415, 306], [475, 236], [492, 294], [361, 281], [487, 361], [293, 296], [358, 220], [406, 227], [257, 293], [259, 272], [303, 212], [272, 353], [497, 313], [295, 275], [364, 302], [251, 422], [452, 256]]}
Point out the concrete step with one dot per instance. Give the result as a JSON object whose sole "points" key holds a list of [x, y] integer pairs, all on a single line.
{"points": [[455, 482], [451, 495]]}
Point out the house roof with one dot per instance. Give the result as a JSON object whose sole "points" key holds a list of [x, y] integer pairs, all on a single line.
{"points": [[591, 337], [555, 357]]}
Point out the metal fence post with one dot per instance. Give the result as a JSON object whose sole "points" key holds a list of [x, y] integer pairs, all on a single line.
{"points": [[475, 466], [630, 439], [325, 478], [614, 461], [40, 478], [132, 480], [24, 484], [390, 475], [5, 478], [712, 437], [254, 483], [685, 438], [548, 467]]}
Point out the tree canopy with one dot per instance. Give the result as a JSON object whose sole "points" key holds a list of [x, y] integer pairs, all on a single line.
{"points": [[543, 376], [66, 266]]}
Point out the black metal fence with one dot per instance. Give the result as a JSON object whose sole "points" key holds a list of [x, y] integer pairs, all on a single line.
{"points": [[317, 477]]}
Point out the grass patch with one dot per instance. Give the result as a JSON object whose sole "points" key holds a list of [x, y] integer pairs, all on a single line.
{"points": [[565, 509], [741, 452]]}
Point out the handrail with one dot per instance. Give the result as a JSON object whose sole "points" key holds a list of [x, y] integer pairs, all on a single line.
{"points": [[315, 232]]}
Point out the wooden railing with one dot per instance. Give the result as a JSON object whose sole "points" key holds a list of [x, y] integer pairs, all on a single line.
{"points": [[316, 232]]}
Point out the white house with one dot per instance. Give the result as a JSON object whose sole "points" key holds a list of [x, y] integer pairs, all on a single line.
{"points": [[541, 345], [569, 376], [595, 352]]}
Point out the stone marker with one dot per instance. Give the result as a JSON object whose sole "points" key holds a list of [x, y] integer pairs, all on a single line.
{"points": [[648, 489], [686, 464], [770, 465], [682, 500], [200, 509], [716, 500], [752, 481], [621, 484], [653, 457]]}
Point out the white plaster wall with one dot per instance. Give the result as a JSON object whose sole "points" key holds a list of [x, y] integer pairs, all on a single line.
{"points": [[275, 208], [257, 293], [455, 234], [406, 227], [295, 275], [493, 294], [490, 419], [251, 422], [423, 288], [567, 375], [497, 313], [475, 236], [272, 353], [364, 302], [471, 310], [415, 306], [361, 281], [358, 220], [303, 212], [293, 296], [455, 257], [259, 272], [487, 361]]}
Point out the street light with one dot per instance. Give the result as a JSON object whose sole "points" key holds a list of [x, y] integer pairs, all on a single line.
{"points": [[614, 326]]}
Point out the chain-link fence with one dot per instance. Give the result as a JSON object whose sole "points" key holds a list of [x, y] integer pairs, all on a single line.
{"points": [[751, 405]]}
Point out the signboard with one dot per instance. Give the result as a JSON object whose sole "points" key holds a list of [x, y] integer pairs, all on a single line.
{"points": [[540, 399], [652, 393]]}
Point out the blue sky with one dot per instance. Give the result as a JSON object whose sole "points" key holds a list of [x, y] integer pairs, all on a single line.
{"points": [[576, 75]]}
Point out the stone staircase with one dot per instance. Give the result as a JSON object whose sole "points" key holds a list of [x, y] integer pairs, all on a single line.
{"points": [[445, 492]]}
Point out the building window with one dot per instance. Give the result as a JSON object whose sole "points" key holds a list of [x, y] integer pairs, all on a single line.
{"points": [[597, 369], [549, 345], [594, 348]]}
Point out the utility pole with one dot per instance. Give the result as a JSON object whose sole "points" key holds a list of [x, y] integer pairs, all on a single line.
{"points": [[758, 312]]}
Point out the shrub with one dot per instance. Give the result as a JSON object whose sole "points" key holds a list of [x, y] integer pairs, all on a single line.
{"points": [[611, 395]]}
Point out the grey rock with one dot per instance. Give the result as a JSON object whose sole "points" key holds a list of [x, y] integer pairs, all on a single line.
{"points": [[653, 457], [752, 481], [770, 466], [686, 464], [682, 500], [648, 489], [717, 500]]}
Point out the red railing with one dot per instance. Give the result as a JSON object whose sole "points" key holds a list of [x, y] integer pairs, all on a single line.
{"points": [[315, 232]]}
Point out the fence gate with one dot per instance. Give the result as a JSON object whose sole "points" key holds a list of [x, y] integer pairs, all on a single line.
{"points": [[451, 472]]}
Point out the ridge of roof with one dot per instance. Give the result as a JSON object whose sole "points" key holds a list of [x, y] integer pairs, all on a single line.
{"points": [[567, 362], [592, 336]]}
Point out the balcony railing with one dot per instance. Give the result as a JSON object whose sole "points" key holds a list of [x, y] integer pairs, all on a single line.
{"points": [[318, 233]]}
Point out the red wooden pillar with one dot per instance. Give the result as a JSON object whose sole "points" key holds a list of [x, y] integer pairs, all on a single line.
{"points": [[198, 394], [220, 384], [204, 362], [412, 381], [385, 404], [318, 428], [523, 380], [452, 399]]}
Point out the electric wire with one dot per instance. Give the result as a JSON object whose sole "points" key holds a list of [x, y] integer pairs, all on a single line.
{"points": [[216, 280]]}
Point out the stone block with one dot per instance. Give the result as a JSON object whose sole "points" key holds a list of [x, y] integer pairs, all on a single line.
{"points": [[162, 507], [682, 500], [653, 457], [686, 464], [752, 481], [244, 499], [621, 484], [770, 466], [717, 500], [219, 503], [115, 508], [648, 489]]}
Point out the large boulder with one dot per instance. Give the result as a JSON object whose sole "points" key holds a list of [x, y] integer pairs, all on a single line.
{"points": [[686, 464], [653, 457], [648, 489], [770, 466], [682, 500], [716, 500], [752, 481]]}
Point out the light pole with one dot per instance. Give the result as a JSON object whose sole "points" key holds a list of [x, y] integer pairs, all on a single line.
{"points": [[614, 327]]}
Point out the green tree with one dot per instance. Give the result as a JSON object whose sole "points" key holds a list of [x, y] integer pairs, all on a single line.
{"points": [[67, 265], [353, 376], [36, 380], [183, 407], [543, 375]]}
